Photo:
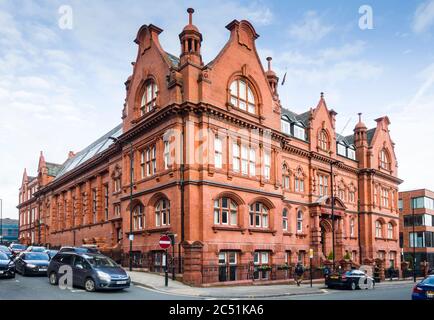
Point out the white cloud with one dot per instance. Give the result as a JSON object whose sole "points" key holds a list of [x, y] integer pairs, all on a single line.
{"points": [[423, 18], [310, 29]]}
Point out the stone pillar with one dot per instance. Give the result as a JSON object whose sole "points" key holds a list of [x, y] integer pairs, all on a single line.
{"points": [[192, 262], [316, 238]]}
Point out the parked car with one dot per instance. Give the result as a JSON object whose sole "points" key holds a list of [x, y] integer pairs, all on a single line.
{"points": [[32, 263], [17, 248], [7, 266], [350, 280], [6, 251], [424, 290], [51, 253], [36, 249], [82, 249], [91, 271]]}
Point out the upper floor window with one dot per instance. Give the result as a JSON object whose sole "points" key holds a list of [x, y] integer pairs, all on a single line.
{"points": [[323, 140], [93, 205], [242, 95], [267, 165], [285, 220], [106, 201], [299, 132], [151, 160], [342, 150], [390, 231], [299, 221], [323, 181], [299, 181], [259, 215], [384, 159], [285, 177], [286, 126], [352, 196], [162, 213], [225, 211], [117, 182], [149, 97], [218, 153], [166, 154], [351, 154], [378, 229], [352, 227], [385, 198], [139, 217]]}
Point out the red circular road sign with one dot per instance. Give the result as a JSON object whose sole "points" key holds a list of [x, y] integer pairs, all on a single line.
{"points": [[165, 242]]}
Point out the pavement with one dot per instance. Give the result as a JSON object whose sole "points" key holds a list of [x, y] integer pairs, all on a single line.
{"points": [[156, 282]]}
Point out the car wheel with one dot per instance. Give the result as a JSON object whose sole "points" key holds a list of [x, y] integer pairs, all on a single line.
{"points": [[89, 285], [53, 279], [353, 286]]}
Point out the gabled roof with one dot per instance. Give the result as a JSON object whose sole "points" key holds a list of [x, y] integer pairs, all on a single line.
{"points": [[89, 152]]}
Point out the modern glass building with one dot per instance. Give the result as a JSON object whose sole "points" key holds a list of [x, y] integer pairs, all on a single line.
{"points": [[9, 230]]}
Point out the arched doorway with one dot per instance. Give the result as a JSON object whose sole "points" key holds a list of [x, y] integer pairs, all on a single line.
{"points": [[326, 237]]}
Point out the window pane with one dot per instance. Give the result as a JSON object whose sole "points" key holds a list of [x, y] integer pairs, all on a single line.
{"points": [[234, 88], [216, 217], [242, 93], [250, 96], [233, 218]]}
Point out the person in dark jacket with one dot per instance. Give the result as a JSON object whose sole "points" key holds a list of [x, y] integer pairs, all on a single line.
{"points": [[326, 271], [299, 271]]}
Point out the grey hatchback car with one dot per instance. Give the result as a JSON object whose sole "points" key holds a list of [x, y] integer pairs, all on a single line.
{"points": [[89, 270]]}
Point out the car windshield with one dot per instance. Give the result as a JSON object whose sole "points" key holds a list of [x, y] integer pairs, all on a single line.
{"points": [[3, 256], [18, 246], [429, 280], [36, 256], [38, 249], [4, 248], [101, 261]]}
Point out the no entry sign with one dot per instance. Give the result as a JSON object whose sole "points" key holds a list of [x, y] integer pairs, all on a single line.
{"points": [[165, 242]]}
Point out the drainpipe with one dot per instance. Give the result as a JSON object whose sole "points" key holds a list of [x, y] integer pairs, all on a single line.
{"points": [[181, 183]]}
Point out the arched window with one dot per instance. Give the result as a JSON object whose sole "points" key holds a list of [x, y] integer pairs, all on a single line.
{"points": [[299, 181], [225, 211], [323, 140], [138, 217], [285, 220], [242, 95], [384, 159], [352, 230], [259, 215], [285, 177], [162, 213], [378, 229], [389, 231], [149, 97], [299, 221]]}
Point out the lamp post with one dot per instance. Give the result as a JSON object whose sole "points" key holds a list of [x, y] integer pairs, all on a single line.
{"points": [[414, 240], [130, 236]]}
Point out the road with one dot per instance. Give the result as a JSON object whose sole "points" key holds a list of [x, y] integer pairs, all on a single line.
{"points": [[38, 288]]}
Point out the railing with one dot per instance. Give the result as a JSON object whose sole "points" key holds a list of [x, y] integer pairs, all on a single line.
{"points": [[145, 260]]}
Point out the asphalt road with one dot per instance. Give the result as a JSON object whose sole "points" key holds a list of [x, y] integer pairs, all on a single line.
{"points": [[381, 292], [38, 288]]}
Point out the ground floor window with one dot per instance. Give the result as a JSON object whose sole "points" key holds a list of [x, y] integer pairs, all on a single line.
{"points": [[301, 257], [261, 261], [158, 261], [228, 266]]}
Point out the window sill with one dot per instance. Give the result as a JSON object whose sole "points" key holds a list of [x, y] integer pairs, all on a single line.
{"points": [[287, 234], [301, 235], [228, 228], [260, 230], [158, 230]]}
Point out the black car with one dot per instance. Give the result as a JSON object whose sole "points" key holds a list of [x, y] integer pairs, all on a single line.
{"points": [[17, 248], [79, 249], [6, 251], [89, 270], [7, 266], [32, 263], [354, 279]]}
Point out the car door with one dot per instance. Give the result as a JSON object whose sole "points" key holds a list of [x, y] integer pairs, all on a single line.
{"points": [[80, 271], [19, 263]]}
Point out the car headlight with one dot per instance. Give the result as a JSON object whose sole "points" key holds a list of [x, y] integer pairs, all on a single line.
{"points": [[103, 276], [31, 265]]}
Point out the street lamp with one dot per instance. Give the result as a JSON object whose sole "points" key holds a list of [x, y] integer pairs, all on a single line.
{"points": [[130, 236]]}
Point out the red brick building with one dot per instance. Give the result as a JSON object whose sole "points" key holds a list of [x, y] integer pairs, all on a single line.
{"points": [[241, 180], [417, 206]]}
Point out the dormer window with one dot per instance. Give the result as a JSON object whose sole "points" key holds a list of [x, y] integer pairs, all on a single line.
{"points": [[299, 132], [241, 96], [384, 160], [351, 153], [342, 150], [149, 97]]}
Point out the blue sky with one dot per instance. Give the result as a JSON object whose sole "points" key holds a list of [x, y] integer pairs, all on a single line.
{"points": [[61, 89]]}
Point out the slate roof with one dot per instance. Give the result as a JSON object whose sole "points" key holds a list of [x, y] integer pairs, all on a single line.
{"points": [[53, 168], [89, 152], [303, 118], [370, 133], [174, 60]]}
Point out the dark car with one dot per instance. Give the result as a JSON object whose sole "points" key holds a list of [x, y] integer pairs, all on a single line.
{"points": [[424, 290], [354, 279], [17, 248], [7, 266], [89, 270], [6, 251], [82, 249], [32, 263], [36, 249]]}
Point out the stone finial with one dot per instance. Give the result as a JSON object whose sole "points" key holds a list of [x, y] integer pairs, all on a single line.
{"points": [[269, 63], [190, 15]]}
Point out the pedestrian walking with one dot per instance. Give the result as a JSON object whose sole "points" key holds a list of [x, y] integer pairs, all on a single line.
{"points": [[298, 276], [326, 271]]}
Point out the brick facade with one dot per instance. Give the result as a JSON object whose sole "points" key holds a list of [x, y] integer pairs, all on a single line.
{"points": [[223, 170]]}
